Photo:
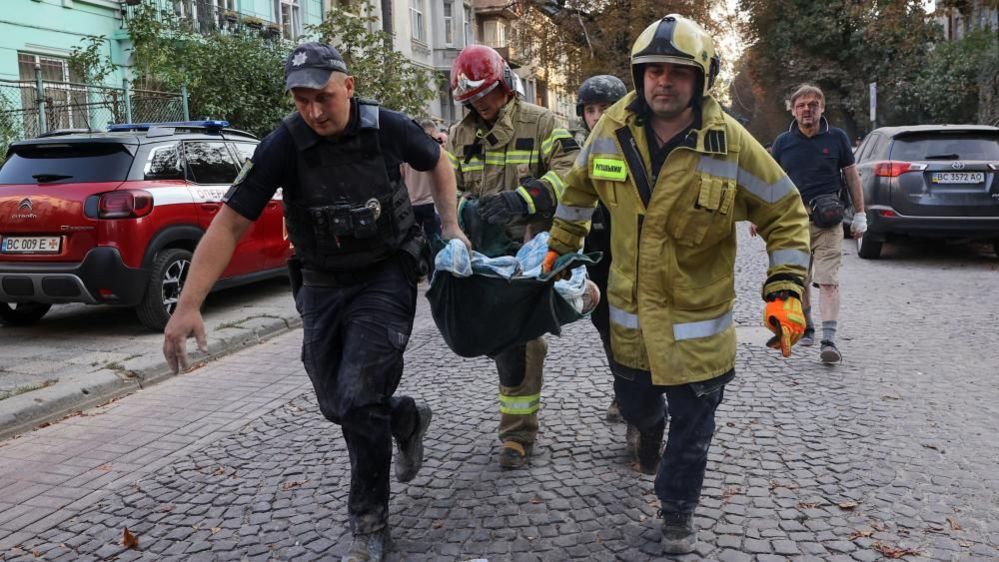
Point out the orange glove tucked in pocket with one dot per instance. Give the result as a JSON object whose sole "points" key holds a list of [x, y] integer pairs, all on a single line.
{"points": [[784, 317]]}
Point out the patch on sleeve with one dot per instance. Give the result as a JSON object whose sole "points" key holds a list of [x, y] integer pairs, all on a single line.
{"points": [[247, 166], [568, 144]]}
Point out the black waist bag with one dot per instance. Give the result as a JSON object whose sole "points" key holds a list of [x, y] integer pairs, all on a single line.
{"points": [[484, 315], [827, 210]]}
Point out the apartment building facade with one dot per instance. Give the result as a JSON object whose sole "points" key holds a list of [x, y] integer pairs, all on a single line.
{"points": [[44, 32]]}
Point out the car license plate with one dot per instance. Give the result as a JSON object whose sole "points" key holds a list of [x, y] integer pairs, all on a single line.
{"points": [[959, 177], [31, 244]]}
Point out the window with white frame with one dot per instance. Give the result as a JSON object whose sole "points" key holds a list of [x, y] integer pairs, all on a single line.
{"points": [[494, 33], [288, 14], [448, 23], [416, 12], [66, 103], [468, 25]]}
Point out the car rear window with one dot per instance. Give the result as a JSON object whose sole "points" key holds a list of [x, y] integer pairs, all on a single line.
{"points": [[946, 146], [66, 163]]}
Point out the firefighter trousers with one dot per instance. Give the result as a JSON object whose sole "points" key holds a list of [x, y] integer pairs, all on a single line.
{"points": [[520, 376]]}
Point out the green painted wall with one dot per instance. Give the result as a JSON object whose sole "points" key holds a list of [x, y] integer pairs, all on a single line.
{"points": [[53, 27]]}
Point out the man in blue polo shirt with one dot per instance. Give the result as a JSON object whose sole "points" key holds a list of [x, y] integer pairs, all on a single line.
{"points": [[817, 157]]}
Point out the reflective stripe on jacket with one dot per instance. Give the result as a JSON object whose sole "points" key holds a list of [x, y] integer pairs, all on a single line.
{"points": [[672, 278], [524, 142]]}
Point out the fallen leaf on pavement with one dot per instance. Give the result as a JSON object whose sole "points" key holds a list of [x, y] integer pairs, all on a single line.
{"points": [[848, 505], [128, 540], [774, 484], [537, 500], [860, 534], [219, 471], [438, 524], [292, 484], [215, 530], [729, 492], [886, 397], [893, 551], [807, 505], [106, 467], [954, 524]]}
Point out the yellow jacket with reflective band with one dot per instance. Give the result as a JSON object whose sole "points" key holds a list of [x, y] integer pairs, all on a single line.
{"points": [[672, 279], [525, 141]]}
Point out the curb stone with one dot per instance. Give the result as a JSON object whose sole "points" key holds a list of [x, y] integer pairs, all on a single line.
{"points": [[80, 391]]}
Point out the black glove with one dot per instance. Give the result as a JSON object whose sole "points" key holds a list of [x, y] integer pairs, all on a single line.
{"points": [[502, 208], [541, 195]]}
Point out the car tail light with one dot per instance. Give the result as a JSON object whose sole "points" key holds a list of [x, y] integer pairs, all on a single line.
{"points": [[894, 168], [124, 204], [887, 213]]}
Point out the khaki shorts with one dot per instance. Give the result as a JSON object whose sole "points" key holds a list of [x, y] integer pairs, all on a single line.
{"points": [[827, 254]]}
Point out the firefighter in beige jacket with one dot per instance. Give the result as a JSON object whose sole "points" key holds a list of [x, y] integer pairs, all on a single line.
{"points": [[676, 173], [510, 157]]}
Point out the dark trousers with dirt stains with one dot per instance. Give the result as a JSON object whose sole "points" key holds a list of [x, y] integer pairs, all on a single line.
{"points": [[353, 340], [691, 409]]}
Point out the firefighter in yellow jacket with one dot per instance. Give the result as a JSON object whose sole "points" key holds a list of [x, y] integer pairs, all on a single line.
{"points": [[676, 173], [509, 157]]}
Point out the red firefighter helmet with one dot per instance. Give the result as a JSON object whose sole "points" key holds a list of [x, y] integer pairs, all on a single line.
{"points": [[476, 72]]}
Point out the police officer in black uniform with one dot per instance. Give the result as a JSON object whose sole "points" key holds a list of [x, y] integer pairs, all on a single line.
{"points": [[355, 272]]}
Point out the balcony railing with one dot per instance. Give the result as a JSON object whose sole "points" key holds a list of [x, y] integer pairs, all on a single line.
{"points": [[511, 55], [203, 17]]}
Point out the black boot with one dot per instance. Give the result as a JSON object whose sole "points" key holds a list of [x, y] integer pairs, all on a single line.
{"points": [[645, 447], [614, 412], [409, 457], [679, 534], [369, 547]]}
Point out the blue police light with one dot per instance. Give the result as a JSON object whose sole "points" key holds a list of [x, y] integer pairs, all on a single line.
{"points": [[212, 125]]}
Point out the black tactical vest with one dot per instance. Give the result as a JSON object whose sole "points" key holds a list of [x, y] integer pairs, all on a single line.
{"points": [[346, 212]]}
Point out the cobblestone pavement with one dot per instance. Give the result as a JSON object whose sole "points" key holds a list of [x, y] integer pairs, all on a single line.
{"points": [[895, 449]]}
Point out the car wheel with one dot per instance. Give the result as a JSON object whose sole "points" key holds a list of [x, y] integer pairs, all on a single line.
{"points": [[166, 280], [868, 249], [22, 313]]}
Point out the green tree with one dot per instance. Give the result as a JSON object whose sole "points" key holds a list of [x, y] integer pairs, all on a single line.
{"points": [[232, 75], [949, 86], [596, 36], [840, 46], [88, 61], [380, 72]]}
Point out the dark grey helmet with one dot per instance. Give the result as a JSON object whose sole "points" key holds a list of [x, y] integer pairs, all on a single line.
{"points": [[602, 88]]}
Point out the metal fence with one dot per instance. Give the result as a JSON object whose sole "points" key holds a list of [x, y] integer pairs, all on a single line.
{"points": [[30, 108]]}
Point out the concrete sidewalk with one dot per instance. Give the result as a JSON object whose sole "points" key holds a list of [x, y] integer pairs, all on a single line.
{"points": [[79, 356]]}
